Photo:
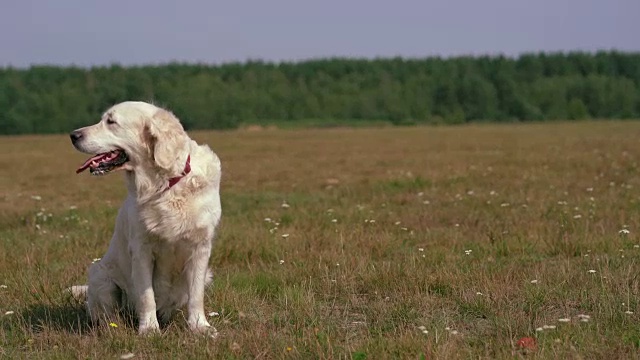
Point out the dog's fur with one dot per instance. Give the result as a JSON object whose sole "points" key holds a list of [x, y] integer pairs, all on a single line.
{"points": [[157, 261]]}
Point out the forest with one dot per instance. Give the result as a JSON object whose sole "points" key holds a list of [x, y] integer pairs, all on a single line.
{"points": [[401, 91]]}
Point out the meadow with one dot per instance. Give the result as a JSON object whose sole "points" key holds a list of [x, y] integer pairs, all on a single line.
{"points": [[375, 243]]}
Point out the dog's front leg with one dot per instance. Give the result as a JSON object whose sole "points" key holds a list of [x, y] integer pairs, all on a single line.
{"points": [[142, 276], [196, 272]]}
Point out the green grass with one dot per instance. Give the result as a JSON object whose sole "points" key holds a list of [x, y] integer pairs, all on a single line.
{"points": [[480, 234]]}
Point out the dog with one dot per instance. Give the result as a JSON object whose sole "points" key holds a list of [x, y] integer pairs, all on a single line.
{"points": [[157, 261]]}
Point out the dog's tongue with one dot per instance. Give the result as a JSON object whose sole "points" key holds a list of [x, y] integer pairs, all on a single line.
{"points": [[96, 160]]}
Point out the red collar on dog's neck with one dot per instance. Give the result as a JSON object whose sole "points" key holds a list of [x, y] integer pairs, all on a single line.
{"points": [[185, 172]]}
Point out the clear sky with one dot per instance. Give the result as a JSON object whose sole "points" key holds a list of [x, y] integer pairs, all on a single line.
{"points": [[85, 32]]}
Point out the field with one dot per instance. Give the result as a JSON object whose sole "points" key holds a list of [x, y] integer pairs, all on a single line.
{"points": [[427, 242]]}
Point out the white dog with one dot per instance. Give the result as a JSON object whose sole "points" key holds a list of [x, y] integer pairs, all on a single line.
{"points": [[157, 261]]}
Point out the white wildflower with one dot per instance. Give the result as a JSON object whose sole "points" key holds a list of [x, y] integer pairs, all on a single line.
{"points": [[584, 317]]}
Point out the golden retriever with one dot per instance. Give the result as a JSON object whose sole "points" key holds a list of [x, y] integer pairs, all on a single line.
{"points": [[157, 261]]}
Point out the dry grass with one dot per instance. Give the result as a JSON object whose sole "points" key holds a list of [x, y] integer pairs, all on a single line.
{"points": [[389, 230]]}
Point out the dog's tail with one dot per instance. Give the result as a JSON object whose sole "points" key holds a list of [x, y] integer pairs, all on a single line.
{"points": [[78, 292]]}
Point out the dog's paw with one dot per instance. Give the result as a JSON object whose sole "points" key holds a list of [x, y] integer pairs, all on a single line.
{"points": [[77, 292], [208, 331], [148, 330], [149, 327], [201, 326]]}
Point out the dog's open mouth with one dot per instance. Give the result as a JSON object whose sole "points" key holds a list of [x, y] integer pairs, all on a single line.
{"points": [[104, 163]]}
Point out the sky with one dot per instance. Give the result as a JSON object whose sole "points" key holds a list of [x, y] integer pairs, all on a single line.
{"points": [[135, 32]]}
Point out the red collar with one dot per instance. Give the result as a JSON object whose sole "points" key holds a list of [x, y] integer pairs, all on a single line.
{"points": [[185, 172]]}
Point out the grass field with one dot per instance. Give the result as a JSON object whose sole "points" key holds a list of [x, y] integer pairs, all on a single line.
{"points": [[434, 243]]}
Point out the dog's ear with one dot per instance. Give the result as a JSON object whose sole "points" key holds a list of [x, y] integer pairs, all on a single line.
{"points": [[167, 141]]}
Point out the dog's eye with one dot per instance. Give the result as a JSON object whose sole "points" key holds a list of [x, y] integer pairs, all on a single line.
{"points": [[110, 121]]}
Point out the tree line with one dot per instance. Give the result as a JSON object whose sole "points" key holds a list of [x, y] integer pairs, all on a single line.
{"points": [[531, 87]]}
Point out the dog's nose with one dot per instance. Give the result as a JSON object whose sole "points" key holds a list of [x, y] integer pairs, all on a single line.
{"points": [[75, 136]]}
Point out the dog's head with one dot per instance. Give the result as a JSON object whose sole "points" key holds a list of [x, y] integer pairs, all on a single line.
{"points": [[133, 135]]}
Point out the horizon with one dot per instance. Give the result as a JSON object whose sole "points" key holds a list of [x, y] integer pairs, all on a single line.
{"points": [[320, 59]]}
